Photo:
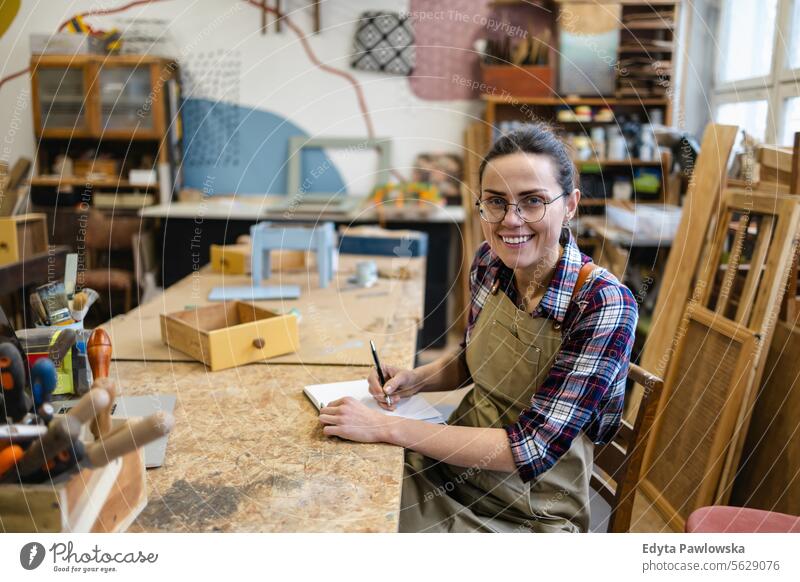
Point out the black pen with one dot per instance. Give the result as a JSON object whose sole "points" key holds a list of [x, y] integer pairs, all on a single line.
{"points": [[381, 377]]}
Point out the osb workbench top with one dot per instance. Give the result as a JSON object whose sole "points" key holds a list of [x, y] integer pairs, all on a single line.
{"points": [[247, 454], [336, 323]]}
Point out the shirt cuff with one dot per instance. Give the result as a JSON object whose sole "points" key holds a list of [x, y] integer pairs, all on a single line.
{"points": [[525, 452]]}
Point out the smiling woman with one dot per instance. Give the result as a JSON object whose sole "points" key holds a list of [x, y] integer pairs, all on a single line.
{"points": [[547, 348]]}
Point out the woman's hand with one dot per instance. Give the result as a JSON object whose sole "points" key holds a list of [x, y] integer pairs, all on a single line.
{"points": [[399, 384], [350, 419]]}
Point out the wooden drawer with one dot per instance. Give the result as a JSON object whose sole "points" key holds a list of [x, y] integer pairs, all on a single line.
{"points": [[22, 236], [235, 259], [230, 259], [230, 334]]}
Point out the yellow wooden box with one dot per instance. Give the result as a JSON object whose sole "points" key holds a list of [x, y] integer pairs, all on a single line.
{"points": [[235, 259], [230, 334], [107, 499], [230, 259], [22, 236]]}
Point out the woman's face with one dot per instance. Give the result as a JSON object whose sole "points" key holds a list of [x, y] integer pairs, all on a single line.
{"points": [[527, 179]]}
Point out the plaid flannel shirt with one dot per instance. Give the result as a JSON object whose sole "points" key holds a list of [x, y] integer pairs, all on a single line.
{"points": [[586, 385]]}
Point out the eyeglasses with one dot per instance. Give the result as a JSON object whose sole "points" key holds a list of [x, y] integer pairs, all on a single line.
{"points": [[531, 209]]}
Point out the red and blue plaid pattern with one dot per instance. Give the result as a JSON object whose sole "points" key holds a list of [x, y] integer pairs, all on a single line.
{"points": [[586, 385]]}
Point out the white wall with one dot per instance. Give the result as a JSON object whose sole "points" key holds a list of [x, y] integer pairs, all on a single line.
{"points": [[276, 74]]}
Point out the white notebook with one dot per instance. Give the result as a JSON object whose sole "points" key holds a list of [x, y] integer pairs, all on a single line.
{"points": [[416, 407]]}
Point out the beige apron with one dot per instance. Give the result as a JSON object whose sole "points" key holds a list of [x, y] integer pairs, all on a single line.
{"points": [[509, 355]]}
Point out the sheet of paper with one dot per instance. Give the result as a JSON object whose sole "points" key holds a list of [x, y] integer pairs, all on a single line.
{"points": [[416, 407]]}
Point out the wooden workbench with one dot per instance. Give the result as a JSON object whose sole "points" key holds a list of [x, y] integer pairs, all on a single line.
{"points": [[247, 453], [336, 326]]}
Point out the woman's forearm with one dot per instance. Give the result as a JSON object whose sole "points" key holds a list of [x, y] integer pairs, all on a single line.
{"points": [[448, 372], [464, 446]]}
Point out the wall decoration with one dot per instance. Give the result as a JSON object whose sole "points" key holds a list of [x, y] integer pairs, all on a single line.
{"points": [[259, 163], [8, 11], [384, 42], [589, 49]]}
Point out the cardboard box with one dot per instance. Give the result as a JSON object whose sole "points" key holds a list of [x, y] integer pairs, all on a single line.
{"points": [[230, 334]]}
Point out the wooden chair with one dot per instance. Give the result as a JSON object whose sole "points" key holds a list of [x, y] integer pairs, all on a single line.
{"points": [[617, 465], [726, 519], [104, 236]]}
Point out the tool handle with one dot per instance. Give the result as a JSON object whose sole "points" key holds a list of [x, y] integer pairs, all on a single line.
{"points": [[98, 348], [9, 457], [44, 379], [90, 405], [14, 403], [101, 425], [135, 435], [60, 434]]}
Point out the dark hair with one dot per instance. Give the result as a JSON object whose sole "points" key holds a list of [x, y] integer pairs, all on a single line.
{"points": [[536, 138]]}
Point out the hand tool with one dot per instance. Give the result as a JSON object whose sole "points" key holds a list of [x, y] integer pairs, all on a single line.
{"points": [[90, 404], [44, 379], [21, 434], [9, 457], [81, 303], [14, 402], [101, 423], [38, 308], [54, 299], [98, 348], [130, 437], [63, 341], [60, 434]]}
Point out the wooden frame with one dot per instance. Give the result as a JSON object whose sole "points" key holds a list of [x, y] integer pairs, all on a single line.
{"points": [[750, 329], [297, 144], [667, 483], [622, 461], [699, 218]]}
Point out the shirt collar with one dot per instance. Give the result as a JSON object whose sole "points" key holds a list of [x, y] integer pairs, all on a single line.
{"points": [[559, 293]]}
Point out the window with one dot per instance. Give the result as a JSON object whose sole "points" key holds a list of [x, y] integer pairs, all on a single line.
{"points": [[794, 43], [791, 123], [749, 115], [748, 32], [758, 67]]}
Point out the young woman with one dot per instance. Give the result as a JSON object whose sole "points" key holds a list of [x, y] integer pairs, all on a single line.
{"points": [[547, 346]]}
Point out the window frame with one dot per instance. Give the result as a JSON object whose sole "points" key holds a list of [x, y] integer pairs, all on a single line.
{"points": [[779, 84]]}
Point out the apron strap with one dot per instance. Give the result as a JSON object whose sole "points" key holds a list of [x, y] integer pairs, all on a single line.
{"points": [[583, 275]]}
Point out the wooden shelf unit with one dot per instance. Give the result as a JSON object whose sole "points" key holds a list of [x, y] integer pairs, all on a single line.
{"points": [[90, 107]]}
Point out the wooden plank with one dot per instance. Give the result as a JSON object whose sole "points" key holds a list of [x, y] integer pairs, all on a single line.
{"points": [[699, 212], [733, 265], [794, 184], [764, 236], [765, 314], [769, 471]]}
